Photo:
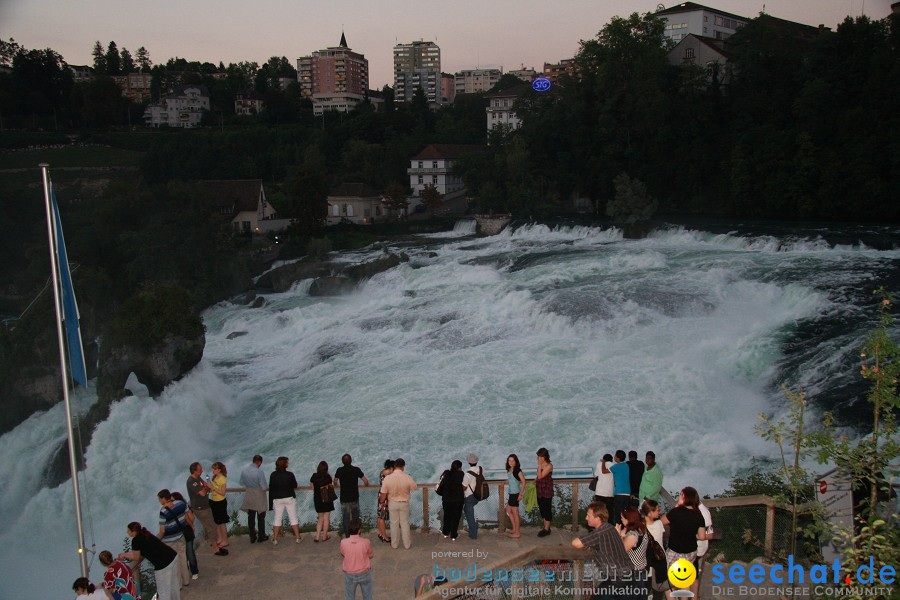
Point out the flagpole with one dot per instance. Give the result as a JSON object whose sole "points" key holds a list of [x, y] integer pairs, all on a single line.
{"points": [[82, 555]]}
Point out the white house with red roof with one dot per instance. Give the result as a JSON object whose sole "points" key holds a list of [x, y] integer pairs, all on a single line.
{"points": [[434, 166]]}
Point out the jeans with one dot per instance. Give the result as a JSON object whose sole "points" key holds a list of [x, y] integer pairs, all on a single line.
{"points": [[191, 557], [469, 508], [349, 510], [363, 580], [254, 518]]}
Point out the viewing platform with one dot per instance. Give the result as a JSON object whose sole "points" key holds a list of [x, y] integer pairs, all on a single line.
{"points": [[313, 570]]}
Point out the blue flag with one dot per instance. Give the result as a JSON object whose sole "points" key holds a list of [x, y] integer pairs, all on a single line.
{"points": [[70, 308]]}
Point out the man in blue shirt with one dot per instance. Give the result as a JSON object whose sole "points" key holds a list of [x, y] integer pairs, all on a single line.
{"points": [[255, 501], [172, 523], [622, 486]]}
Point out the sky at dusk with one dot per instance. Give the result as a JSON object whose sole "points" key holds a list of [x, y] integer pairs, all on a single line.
{"points": [[495, 33]]}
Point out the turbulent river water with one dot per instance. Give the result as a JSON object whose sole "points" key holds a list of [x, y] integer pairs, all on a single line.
{"points": [[568, 337]]}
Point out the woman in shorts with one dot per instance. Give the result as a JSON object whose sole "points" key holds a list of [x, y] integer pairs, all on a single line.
{"points": [[218, 504], [516, 479]]}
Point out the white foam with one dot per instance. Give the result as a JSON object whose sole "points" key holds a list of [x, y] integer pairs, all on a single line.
{"points": [[569, 337]]}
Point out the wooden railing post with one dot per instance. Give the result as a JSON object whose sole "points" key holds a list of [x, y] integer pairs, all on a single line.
{"points": [[770, 529], [574, 505], [501, 507], [426, 527]]}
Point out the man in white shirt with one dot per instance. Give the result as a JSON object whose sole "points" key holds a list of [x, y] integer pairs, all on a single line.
{"points": [[396, 489], [469, 499]]}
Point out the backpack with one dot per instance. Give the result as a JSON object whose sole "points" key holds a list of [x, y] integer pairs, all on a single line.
{"points": [[481, 490], [656, 558]]}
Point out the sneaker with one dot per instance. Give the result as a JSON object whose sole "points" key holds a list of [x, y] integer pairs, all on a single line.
{"points": [[297, 540], [195, 577], [275, 542], [543, 533]]}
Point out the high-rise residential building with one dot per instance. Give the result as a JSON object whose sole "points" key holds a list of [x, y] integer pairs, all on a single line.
{"points": [[335, 78], [417, 64], [470, 81]]}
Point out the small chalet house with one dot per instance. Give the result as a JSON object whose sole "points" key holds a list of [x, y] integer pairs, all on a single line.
{"points": [[434, 165], [243, 202], [702, 51], [500, 109], [248, 103], [354, 202]]}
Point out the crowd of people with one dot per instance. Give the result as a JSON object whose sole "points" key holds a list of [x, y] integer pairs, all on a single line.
{"points": [[618, 485]]}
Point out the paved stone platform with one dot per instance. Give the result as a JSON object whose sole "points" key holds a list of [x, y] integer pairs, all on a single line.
{"points": [[313, 570]]}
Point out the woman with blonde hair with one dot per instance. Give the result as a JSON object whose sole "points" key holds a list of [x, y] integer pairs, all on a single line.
{"points": [[218, 504]]}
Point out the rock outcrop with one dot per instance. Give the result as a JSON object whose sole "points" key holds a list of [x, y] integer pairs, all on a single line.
{"points": [[282, 278], [158, 336]]}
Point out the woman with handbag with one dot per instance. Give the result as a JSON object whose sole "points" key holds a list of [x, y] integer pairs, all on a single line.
{"points": [[323, 499], [636, 538]]}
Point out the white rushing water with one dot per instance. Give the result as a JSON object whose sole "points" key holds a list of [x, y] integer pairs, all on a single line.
{"points": [[569, 338]]}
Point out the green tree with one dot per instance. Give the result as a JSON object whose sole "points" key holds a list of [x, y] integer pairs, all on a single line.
{"points": [[395, 197], [631, 204], [791, 436], [306, 193], [8, 50], [507, 80], [127, 62], [387, 93], [143, 60], [432, 198], [113, 60], [99, 58]]}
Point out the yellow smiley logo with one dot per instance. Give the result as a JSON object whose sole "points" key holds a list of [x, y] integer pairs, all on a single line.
{"points": [[682, 573]]}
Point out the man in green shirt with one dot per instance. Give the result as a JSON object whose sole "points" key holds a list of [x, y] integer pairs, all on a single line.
{"points": [[652, 480]]}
